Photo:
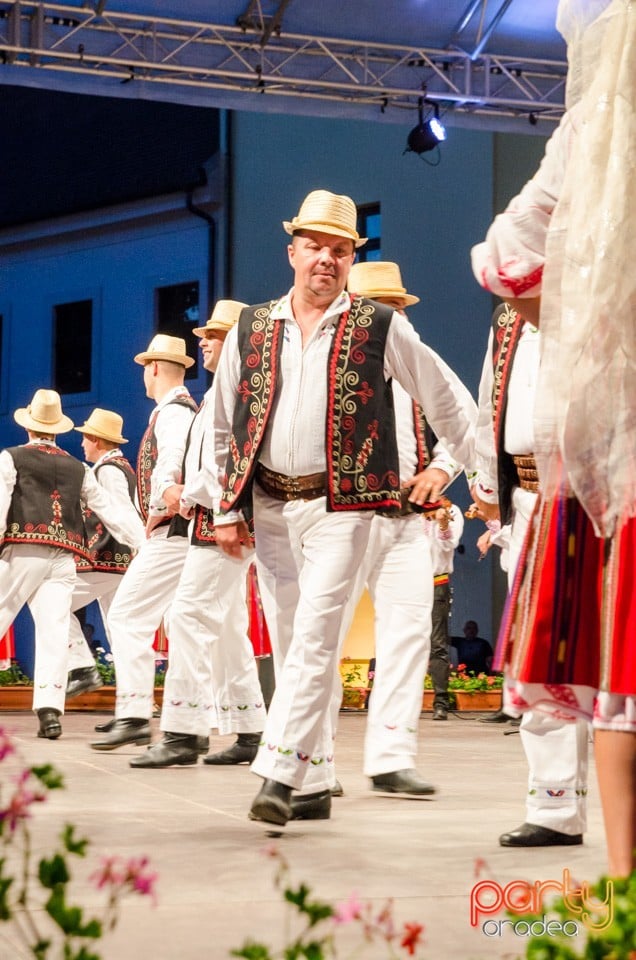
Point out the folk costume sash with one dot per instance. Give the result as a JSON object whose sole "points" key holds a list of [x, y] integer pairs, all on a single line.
{"points": [[45, 506], [148, 453], [361, 447], [507, 326], [107, 554]]}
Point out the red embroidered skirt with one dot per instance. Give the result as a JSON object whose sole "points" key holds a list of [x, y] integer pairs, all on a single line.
{"points": [[571, 615]]}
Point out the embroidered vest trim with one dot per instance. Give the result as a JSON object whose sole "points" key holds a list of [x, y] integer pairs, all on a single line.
{"points": [[106, 553], [507, 326], [45, 506], [147, 458], [361, 447]]}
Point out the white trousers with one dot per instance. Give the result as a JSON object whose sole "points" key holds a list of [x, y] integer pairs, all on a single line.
{"points": [[557, 755], [398, 571], [43, 578], [211, 660], [94, 585], [307, 561], [143, 597], [556, 751]]}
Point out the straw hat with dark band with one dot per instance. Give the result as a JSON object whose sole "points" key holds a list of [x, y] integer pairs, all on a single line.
{"points": [[223, 318], [379, 278], [327, 213], [44, 414], [104, 424], [163, 347]]}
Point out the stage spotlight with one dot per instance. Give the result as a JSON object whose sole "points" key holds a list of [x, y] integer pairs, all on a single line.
{"points": [[428, 134]]}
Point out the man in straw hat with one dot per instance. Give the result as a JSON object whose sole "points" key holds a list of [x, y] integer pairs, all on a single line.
{"points": [[42, 531], [397, 568], [303, 407], [109, 559], [211, 659], [148, 585]]}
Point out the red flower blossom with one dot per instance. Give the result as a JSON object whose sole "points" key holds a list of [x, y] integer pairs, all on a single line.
{"points": [[412, 937]]}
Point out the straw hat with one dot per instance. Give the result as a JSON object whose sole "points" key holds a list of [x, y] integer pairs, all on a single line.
{"points": [[328, 213], [163, 347], [379, 278], [104, 424], [223, 318], [44, 414]]}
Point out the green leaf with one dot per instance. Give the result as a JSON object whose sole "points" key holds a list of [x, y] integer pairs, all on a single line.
{"points": [[5, 883], [52, 872], [71, 844], [253, 951], [49, 776]]}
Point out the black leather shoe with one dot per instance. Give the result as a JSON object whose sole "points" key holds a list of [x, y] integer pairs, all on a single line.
{"points": [[132, 730], [244, 750], [83, 680], [272, 803], [440, 712], [50, 726], [532, 835], [499, 717], [403, 781], [313, 806], [176, 749], [203, 745], [105, 727], [336, 790]]}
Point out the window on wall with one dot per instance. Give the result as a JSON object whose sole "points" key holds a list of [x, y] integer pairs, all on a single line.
{"points": [[72, 346], [177, 314], [370, 225]]}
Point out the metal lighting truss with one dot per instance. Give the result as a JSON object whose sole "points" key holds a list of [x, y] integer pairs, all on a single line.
{"points": [[188, 55]]}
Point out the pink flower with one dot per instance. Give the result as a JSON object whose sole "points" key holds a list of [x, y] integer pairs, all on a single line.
{"points": [[6, 744], [19, 804], [348, 910], [461, 667], [141, 880], [116, 873], [110, 874], [412, 937]]}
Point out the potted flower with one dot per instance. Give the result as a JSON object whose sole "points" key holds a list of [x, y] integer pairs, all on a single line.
{"points": [[475, 691], [354, 684], [429, 693], [16, 689]]}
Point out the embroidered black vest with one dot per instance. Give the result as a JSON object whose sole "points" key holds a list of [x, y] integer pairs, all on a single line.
{"points": [[507, 326], [45, 506], [147, 458], [106, 553], [361, 447]]}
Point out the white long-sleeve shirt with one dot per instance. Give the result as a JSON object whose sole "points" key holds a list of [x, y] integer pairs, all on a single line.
{"points": [[294, 442], [510, 261], [201, 484], [121, 520], [171, 422], [443, 543]]}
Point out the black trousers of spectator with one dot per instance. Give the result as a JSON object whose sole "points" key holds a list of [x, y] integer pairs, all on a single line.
{"points": [[439, 665]]}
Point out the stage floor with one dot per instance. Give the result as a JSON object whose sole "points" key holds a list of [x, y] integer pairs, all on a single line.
{"points": [[215, 884]]}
